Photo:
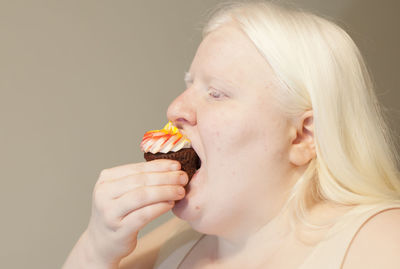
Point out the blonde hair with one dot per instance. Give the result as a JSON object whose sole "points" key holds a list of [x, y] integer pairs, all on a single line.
{"points": [[321, 69]]}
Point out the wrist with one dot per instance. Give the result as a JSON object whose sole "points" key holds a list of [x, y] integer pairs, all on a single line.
{"points": [[91, 256], [84, 256]]}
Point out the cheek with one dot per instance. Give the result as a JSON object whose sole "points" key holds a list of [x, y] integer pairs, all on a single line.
{"points": [[222, 131], [231, 129]]}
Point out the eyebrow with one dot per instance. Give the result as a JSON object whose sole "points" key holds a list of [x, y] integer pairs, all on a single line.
{"points": [[189, 79]]}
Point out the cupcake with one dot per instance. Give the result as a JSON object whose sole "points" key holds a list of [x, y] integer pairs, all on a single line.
{"points": [[169, 143]]}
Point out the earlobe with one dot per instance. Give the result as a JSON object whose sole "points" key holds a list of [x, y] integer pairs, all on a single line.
{"points": [[302, 148]]}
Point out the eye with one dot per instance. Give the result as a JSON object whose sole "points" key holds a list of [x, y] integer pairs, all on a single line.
{"points": [[214, 93]]}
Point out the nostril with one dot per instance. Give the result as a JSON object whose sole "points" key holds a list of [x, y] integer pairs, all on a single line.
{"points": [[179, 123]]}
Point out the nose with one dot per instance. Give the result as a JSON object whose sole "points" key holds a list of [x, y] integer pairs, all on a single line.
{"points": [[182, 110]]}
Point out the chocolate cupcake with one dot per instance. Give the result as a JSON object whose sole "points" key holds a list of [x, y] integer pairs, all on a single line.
{"points": [[169, 143]]}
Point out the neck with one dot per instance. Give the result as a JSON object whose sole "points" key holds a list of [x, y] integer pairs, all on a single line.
{"points": [[273, 234], [262, 234], [276, 234]]}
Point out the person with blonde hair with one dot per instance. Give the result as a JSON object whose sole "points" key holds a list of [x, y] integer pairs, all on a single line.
{"points": [[298, 164]]}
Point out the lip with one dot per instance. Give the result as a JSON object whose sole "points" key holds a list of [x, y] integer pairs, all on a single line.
{"points": [[190, 184], [192, 145]]}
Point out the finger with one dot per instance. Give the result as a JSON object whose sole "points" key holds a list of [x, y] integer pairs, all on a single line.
{"points": [[144, 196], [158, 165], [137, 219], [118, 187]]}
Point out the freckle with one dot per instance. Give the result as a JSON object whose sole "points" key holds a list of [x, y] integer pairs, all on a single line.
{"points": [[197, 207]]}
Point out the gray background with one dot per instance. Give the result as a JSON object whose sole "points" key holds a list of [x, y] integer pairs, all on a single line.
{"points": [[81, 81]]}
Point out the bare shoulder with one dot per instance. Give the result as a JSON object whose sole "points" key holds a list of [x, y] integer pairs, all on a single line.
{"points": [[377, 244], [148, 246]]}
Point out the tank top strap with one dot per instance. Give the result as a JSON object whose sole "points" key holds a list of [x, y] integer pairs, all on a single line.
{"points": [[176, 248], [332, 250]]}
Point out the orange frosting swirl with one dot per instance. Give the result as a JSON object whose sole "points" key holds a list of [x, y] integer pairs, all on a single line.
{"points": [[165, 140]]}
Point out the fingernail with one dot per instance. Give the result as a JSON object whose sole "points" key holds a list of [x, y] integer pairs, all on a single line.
{"points": [[183, 178], [181, 191], [175, 166]]}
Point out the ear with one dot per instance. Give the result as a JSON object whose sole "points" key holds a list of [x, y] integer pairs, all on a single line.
{"points": [[302, 148]]}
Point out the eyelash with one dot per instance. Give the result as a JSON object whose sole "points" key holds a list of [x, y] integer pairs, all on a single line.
{"points": [[214, 91], [209, 89]]}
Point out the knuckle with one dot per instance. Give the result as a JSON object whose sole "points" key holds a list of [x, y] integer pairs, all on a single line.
{"points": [[97, 197], [104, 173], [143, 194], [100, 205], [132, 182], [144, 217], [179, 190], [174, 176], [101, 198], [106, 190], [174, 189], [99, 192], [149, 178], [146, 178], [103, 210], [180, 176], [110, 221], [99, 182], [109, 189]]}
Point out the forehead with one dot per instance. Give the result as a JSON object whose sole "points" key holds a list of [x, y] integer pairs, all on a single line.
{"points": [[229, 53]]}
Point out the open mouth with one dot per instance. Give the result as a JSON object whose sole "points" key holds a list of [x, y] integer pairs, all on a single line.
{"points": [[198, 164]]}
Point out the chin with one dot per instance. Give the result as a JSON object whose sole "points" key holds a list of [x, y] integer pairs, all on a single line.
{"points": [[184, 210], [193, 207], [193, 214], [189, 207]]}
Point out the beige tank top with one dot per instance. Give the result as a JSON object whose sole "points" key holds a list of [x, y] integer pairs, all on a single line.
{"points": [[328, 254]]}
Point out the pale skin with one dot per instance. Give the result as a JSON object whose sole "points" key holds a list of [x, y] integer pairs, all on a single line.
{"points": [[251, 156], [248, 148], [249, 151], [125, 199]]}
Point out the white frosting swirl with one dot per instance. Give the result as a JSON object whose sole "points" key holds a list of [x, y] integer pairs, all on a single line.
{"points": [[165, 140]]}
